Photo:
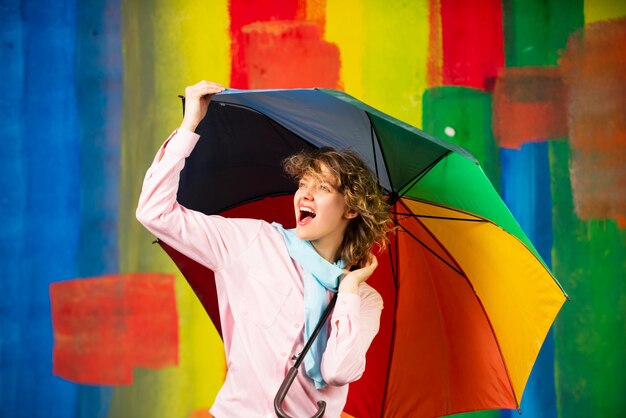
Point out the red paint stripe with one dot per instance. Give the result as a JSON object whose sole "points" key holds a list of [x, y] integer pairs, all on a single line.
{"points": [[290, 54], [103, 327], [473, 45], [244, 12]]}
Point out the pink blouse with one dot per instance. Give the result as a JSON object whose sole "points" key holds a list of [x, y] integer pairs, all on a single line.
{"points": [[260, 293]]}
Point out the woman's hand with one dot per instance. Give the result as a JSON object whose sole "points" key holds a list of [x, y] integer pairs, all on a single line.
{"points": [[350, 282], [197, 99]]}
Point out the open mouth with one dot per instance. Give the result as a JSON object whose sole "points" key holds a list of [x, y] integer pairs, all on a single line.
{"points": [[306, 215]]}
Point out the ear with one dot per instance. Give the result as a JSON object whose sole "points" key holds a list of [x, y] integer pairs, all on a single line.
{"points": [[350, 214]]}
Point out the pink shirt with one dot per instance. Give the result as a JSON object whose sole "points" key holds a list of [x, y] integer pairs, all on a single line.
{"points": [[261, 302]]}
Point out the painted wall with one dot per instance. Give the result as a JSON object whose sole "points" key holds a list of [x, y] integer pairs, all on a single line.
{"points": [[96, 322]]}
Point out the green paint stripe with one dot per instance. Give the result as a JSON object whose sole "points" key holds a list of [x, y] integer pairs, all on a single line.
{"points": [[524, 33], [535, 31], [589, 333], [462, 116]]}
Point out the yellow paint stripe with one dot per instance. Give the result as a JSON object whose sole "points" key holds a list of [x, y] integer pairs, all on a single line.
{"points": [[598, 10], [166, 46], [395, 60], [384, 52], [349, 38], [518, 293]]}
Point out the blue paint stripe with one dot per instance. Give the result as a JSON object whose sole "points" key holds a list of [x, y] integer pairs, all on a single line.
{"points": [[12, 202], [43, 192], [526, 191], [99, 97]]}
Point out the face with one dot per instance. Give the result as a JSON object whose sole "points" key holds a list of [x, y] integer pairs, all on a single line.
{"points": [[321, 212]]}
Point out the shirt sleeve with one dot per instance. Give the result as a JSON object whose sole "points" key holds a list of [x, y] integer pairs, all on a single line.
{"points": [[210, 240], [354, 324]]}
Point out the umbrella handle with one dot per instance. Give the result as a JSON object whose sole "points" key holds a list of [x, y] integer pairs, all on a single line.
{"points": [[284, 387], [282, 392]]}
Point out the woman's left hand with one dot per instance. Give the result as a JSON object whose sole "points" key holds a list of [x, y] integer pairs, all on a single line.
{"points": [[351, 280]]}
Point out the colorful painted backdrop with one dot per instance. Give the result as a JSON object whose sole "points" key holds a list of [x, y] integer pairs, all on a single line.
{"points": [[94, 319]]}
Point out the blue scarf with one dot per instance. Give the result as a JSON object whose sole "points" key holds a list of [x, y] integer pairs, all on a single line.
{"points": [[326, 276]]}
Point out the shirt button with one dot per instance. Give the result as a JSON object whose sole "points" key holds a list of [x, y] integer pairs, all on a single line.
{"points": [[283, 354], [296, 325]]}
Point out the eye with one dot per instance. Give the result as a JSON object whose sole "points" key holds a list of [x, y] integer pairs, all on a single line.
{"points": [[325, 187]]}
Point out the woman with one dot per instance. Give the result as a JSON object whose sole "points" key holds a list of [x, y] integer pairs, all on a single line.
{"points": [[272, 283]]}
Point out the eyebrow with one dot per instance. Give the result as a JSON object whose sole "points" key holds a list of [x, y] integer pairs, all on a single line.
{"points": [[330, 182], [320, 178]]}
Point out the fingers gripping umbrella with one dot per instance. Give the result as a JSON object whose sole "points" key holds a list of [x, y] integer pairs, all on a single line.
{"points": [[468, 301]]}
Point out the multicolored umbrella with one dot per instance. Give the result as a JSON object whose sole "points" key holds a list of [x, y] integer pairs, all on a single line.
{"points": [[468, 301]]}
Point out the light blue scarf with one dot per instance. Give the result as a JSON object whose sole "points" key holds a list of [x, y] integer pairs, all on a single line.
{"points": [[326, 276]]}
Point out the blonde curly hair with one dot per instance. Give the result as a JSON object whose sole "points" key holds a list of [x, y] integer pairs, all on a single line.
{"points": [[362, 195]]}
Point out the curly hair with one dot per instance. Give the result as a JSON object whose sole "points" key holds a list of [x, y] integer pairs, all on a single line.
{"points": [[362, 195]]}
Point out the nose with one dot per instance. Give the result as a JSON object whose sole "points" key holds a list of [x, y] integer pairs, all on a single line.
{"points": [[305, 193]]}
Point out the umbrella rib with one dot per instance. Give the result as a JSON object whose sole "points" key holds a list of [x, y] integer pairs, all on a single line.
{"points": [[394, 268], [409, 184], [394, 271], [448, 218], [458, 268], [486, 220], [271, 119], [382, 153], [374, 152], [455, 268], [447, 207], [462, 273], [247, 201]]}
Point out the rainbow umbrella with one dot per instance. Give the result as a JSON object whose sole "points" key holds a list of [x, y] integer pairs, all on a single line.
{"points": [[468, 301]]}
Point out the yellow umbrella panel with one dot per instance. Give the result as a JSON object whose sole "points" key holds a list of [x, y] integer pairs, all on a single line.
{"points": [[519, 296]]}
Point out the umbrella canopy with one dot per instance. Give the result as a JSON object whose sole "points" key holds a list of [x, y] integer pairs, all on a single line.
{"points": [[468, 300]]}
